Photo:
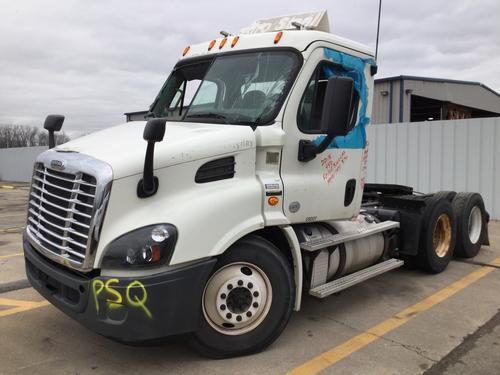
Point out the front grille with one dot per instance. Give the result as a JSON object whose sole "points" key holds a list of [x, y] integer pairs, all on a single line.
{"points": [[60, 211]]}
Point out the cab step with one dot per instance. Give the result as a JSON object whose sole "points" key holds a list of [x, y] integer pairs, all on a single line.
{"points": [[345, 282], [339, 238]]}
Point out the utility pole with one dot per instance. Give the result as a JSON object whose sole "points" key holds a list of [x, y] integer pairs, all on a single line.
{"points": [[378, 28]]}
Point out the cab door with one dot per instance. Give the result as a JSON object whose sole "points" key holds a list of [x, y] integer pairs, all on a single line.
{"points": [[329, 187]]}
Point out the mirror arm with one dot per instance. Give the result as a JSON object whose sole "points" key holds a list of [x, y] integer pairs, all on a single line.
{"points": [[148, 178], [153, 132], [52, 139], [148, 185], [308, 149], [324, 144]]}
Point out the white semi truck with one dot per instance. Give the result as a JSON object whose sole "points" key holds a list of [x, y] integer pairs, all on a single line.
{"points": [[248, 192]]}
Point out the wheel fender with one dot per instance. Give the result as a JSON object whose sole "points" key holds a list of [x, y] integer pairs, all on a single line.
{"points": [[293, 241]]}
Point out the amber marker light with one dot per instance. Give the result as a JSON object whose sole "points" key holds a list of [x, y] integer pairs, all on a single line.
{"points": [[278, 36], [186, 50], [222, 43], [211, 45], [273, 201], [235, 40]]}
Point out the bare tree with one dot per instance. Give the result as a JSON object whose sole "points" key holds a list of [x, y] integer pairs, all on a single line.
{"points": [[27, 136]]}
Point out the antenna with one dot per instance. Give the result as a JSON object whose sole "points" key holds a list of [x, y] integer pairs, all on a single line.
{"points": [[378, 27]]}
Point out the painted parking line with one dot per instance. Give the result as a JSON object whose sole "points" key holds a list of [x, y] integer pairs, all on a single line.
{"points": [[8, 187], [339, 352], [18, 306], [10, 256]]}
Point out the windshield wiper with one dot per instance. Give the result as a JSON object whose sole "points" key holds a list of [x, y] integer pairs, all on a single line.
{"points": [[208, 115], [252, 123]]}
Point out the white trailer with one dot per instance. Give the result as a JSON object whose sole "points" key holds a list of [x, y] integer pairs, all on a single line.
{"points": [[250, 192]]}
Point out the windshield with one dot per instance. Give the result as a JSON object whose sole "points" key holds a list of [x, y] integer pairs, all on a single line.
{"points": [[243, 88]]}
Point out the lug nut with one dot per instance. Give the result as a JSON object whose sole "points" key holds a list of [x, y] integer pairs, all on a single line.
{"points": [[229, 286], [255, 294], [240, 282], [255, 304], [229, 315], [249, 314], [238, 318], [222, 307], [223, 296], [250, 285]]}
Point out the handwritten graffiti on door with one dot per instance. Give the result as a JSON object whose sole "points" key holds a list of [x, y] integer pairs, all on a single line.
{"points": [[364, 165], [333, 166]]}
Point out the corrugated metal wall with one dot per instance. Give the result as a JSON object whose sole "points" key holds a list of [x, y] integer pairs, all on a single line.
{"points": [[459, 155], [16, 164]]}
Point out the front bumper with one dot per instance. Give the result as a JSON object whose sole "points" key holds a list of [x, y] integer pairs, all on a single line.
{"points": [[128, 309]]}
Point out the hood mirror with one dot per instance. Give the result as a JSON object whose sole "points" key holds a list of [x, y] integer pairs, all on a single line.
{"points": [[154, 131], [53, 123]]}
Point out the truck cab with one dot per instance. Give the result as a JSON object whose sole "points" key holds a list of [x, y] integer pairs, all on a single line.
{"points": [[242, 189]]}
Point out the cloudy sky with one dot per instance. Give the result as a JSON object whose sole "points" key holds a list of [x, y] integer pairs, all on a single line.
{"points": [[93, 60]]}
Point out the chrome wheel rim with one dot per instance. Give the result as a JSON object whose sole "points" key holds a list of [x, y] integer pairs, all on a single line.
{"points": [[475, 224], [237, 298]]}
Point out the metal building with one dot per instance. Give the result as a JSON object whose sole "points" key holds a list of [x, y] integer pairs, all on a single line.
{"points": [[410, 99]]}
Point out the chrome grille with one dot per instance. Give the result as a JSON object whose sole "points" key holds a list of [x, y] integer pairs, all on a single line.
{"points": [[66, 207], [60, 210]]}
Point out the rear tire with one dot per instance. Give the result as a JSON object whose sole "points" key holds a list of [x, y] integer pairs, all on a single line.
{"points": [[446, 194], [247, 302], [471, 220], [438, 235]]}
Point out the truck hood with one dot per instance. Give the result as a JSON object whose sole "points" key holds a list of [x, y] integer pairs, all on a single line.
{"points": [[123, 146]]}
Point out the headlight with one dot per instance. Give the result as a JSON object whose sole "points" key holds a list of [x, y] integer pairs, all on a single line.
{"points": [[147, 246]]}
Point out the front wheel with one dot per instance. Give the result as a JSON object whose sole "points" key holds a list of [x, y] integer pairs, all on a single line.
{"points": [[247, 301]]}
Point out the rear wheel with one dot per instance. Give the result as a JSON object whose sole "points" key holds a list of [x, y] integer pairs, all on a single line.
{"points": [[471, 220], [446, 194], [247, 301], [438, 236]]}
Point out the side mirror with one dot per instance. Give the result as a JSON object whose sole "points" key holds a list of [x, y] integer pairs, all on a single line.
{"points": [[53, 123], [337, 105], [336, 118], [153, 132]]}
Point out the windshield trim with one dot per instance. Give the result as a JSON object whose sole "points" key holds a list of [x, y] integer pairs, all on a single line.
{"points": [[212, 57]]}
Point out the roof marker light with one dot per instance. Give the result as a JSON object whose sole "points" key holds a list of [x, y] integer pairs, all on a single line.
{"points": [[211, 45], [222, 43], [235, 40], [186, 50], [278, 36]]}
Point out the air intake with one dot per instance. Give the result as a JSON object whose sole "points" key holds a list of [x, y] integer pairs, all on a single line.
{"points": [[215, 170]]}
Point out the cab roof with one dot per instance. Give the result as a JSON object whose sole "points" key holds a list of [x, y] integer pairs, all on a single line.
{"points": [[298, 39]]}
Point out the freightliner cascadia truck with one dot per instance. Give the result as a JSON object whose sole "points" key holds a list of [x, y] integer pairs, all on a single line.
{"points": [[242, 190]]}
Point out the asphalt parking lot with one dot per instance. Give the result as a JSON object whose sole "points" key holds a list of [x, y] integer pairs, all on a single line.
{"points": [[403, 322]]}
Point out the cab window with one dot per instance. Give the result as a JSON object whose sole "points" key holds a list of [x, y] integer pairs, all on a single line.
{"points": [[311, 104]]}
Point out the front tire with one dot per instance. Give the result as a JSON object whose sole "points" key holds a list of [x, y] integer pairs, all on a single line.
{"points": [[247, 302]]}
